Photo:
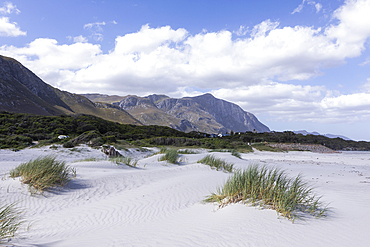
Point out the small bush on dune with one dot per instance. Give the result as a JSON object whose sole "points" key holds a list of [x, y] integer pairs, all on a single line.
{"points": [[43, 173], [10, 221], [214, 162], [270, 188], [171, 155]]}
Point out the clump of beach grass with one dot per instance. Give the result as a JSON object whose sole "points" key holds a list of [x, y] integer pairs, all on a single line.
{"points": [[270, 188], [129, 161], [10, 221], [171, 156], [43, 173], [216, 163]]}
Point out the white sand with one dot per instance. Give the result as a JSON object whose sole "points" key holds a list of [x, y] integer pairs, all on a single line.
{"points": [[158, 204]]}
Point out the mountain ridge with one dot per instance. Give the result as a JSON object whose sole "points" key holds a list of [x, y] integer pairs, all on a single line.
{"points": [[203, 113]]}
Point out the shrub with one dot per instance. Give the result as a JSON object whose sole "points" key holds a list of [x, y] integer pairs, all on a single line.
{"points": [[10, 220], [214, 162], [68, 144], [270, 188], [43, 173], [171, 156]]}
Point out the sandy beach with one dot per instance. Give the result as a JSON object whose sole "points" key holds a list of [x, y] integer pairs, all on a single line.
{"points": [[160, 204]]}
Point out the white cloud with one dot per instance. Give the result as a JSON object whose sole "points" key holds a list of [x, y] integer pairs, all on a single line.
{"points": [[354, 27], [7, 28], [80, 39], [318, 7], [241, 31], [96, 25], [9, 8], [96, 29], [299, 8], [10, 29]]}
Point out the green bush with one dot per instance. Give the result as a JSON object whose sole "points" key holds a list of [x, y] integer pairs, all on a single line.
{"points": [[269, 188], [43, 173], [68, 144]]}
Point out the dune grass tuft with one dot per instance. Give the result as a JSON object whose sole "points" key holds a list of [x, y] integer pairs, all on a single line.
{"points": [[216, 163], [129, 161], [171, 156], [43, 173], [270, 188], [10, 221]]}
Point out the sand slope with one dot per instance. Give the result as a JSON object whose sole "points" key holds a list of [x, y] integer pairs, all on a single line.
{"points": [[158, 204]]}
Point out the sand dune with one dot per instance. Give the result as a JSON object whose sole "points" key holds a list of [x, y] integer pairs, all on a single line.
{"points": [[157, 204]]}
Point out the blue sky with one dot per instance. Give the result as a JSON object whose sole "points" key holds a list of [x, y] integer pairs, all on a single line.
{"points": [[294, 64]]}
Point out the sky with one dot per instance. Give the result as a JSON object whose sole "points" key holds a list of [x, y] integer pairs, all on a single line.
{"points": [[296, 65]]}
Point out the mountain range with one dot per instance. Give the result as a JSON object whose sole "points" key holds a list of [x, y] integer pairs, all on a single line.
{"points": [[305, 132], [24, 92]]}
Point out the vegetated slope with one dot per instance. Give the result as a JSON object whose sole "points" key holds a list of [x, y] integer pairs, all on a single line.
{"points": [[20, 130], [22, 91], [203, 113]]}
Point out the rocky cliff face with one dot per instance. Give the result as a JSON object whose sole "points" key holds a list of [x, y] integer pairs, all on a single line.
{"points": [[203, 113]]}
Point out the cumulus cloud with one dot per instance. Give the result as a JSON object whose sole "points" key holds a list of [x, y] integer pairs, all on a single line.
{"points": [[10, 29], [253, 70], [7, 28]]}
